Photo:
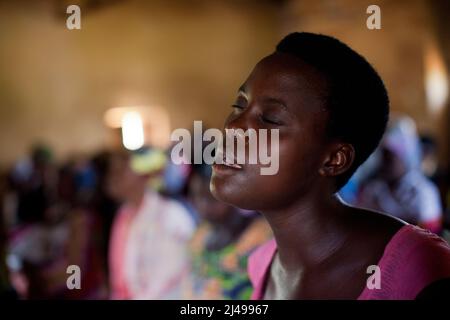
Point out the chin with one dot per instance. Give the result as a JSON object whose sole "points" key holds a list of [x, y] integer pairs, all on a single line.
{"points": [[241, 194], [230, 192]]}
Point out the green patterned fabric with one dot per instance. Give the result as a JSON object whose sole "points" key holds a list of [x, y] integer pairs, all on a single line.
{"points": [[234, 282]]}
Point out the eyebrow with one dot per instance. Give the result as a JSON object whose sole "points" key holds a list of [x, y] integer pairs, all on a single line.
{"points": [[243, 88], [275, 101]]}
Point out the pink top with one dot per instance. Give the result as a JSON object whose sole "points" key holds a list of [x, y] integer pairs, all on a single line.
{"points": [[148, 249], [119, 232], [413, 259]]}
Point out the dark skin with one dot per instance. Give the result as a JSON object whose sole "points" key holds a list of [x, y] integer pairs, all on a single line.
{"points": [[323, 246], [125, 185]]}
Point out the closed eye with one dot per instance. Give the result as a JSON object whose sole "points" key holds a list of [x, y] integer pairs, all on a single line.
{"points": [[270, 121]]}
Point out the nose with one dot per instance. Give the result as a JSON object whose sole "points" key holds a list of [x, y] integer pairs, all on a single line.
{"points": [[238, 125], [243, 120], [237, 122], [240, 135]]}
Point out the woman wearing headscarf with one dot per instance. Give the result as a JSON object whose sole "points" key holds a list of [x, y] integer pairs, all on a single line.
{"points": [[148, 251], [400, 187]]}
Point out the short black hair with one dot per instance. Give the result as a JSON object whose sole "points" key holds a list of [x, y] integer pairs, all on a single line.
{"points": [[357, 100]]}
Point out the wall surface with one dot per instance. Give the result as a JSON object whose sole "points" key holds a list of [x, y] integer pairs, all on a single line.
{"points": [[408, 29], [186, 57]]}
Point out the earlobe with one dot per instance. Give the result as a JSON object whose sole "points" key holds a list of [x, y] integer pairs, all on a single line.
{"points": [[338, 161]]}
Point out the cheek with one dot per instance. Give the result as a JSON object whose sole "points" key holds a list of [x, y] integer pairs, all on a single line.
{"points": [[254, 191], [298, 171], [300, 158]]}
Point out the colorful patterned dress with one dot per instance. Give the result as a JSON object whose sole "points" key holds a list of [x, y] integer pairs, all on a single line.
{"points": [[222, 274]]}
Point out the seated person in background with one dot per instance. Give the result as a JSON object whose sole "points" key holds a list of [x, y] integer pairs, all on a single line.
{"points": [[222, 243], [400, 188], [149, 240], [59, 235], [6, 290], [331, 108]]}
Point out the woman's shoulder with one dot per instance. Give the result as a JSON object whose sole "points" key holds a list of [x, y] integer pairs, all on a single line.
{"points": [[421, 247], [408, 257], [413, 259], [405, 241]]}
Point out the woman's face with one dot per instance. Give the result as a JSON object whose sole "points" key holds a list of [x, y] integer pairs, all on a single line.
{"points": [[283, 93], [392, 168], [122, 183]]}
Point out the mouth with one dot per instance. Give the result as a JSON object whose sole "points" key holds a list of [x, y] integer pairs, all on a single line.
{"points": [[232, 165], [226, 169], [224, 164]]}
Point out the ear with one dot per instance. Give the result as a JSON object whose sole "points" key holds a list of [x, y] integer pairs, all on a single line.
{"points": [[338, 160]]}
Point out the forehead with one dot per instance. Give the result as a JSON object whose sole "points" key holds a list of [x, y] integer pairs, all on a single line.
{"points": [[284, 76]]}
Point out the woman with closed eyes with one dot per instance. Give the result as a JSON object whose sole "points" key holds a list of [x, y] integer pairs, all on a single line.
{"points": [[331, 108]]}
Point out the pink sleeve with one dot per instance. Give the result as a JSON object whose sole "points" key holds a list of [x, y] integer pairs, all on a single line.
{"points": [[258, 265], [119, 233], [414, 259]]}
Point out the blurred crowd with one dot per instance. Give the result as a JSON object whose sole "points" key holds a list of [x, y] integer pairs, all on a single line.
{"points": [[137, 225], [141, 227], [402, 178]]}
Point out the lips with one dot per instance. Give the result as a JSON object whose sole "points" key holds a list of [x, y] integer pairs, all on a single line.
{"points": [[232, 165], [225, 170], [222, 162]]}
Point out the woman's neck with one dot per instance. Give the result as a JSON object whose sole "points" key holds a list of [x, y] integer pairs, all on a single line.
{"points": [[308, 232]]}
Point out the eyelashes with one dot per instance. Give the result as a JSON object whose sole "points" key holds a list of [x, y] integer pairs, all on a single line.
{"points": [[270, 121], [262, 117]]}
